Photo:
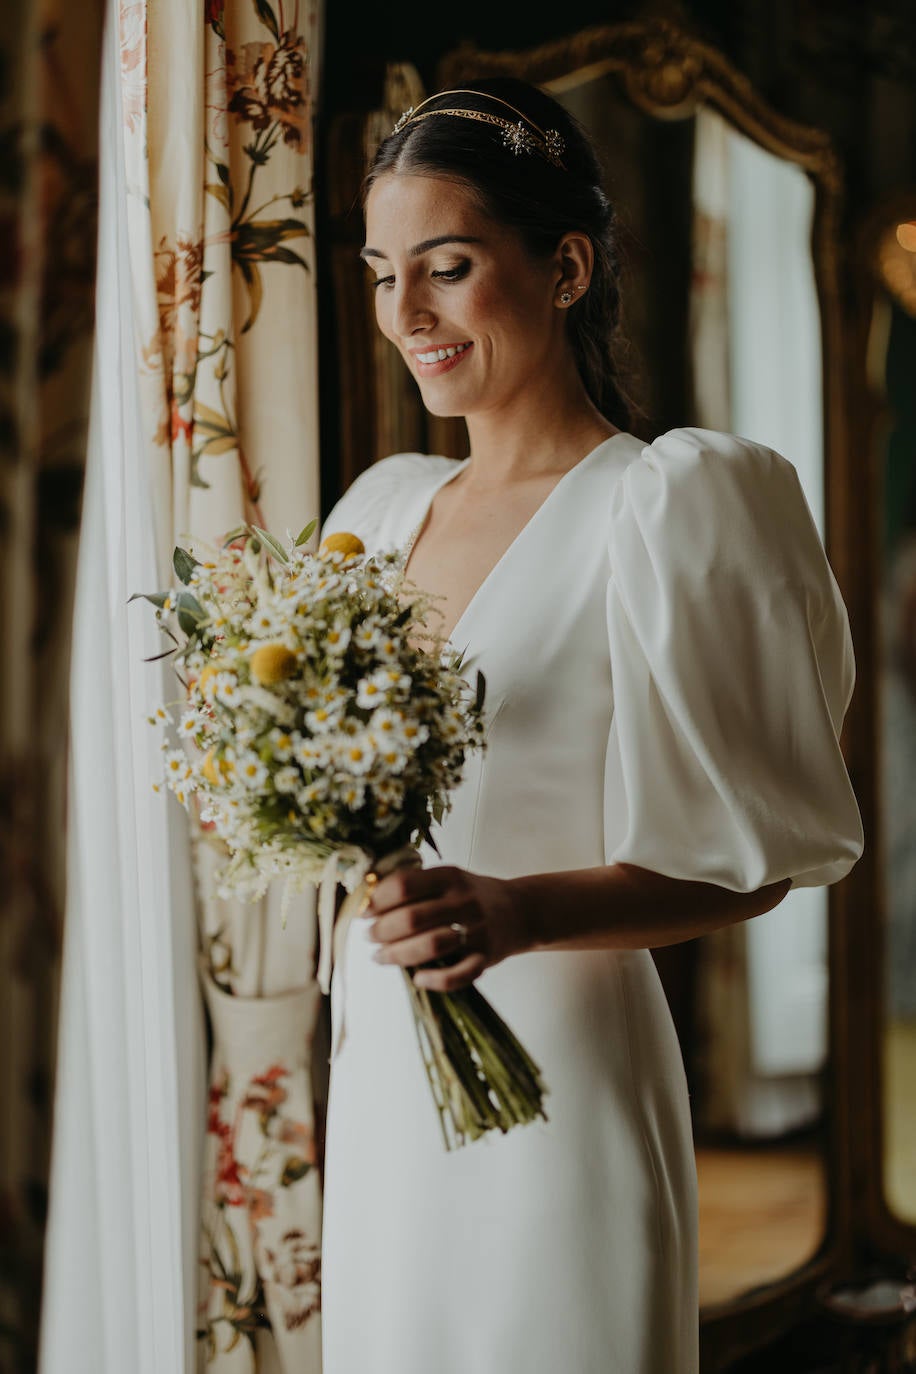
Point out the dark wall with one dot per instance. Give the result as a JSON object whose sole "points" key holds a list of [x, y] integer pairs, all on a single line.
{"points": [[848, 67]]}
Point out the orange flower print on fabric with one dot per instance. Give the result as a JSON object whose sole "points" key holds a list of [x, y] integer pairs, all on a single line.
{"points": [[172, 351], [178, 279], [293, 1263]]}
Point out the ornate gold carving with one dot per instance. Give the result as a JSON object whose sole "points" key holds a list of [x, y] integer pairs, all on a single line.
{"points": [[666, 71]]}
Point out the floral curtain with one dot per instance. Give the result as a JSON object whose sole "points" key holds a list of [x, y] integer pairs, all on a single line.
{"points": [[49, 78], [217, 126]]}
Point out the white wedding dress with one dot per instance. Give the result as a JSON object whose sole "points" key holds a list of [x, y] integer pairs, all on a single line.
{"points": [[668, 663]]}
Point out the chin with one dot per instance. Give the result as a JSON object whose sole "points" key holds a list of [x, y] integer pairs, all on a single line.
{"points": [[445, 407], [443, 410]]}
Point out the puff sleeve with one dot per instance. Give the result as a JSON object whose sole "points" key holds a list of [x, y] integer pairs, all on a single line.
{"points": [[732, 668], [375, 503]]}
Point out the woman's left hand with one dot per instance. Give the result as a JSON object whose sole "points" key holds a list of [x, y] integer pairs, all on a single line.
{"points": [[414, 909]]}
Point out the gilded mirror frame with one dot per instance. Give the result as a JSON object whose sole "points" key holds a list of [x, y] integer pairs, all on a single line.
{"points": [[668, 72], [881, 1231]]}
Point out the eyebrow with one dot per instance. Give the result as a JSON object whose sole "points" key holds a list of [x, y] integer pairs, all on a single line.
{"points": [[420, 248]]}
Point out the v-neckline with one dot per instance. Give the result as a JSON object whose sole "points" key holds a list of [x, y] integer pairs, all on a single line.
{"points": [[533, 517]]}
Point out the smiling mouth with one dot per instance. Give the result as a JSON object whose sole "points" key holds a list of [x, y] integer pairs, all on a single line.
{"points": [[438, 360]]}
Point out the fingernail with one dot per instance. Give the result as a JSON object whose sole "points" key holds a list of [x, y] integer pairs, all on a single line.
{"points": [[379, 956]]}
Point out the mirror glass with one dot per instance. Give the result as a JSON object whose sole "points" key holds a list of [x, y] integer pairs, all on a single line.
{"points": [[721, 311], [892, 368]]}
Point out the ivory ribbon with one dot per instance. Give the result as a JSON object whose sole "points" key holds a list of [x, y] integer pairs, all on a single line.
{"points": [[333, 933]]}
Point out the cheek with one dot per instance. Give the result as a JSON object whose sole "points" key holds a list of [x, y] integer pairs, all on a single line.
{"points": [[500, 308], [382, 311]]}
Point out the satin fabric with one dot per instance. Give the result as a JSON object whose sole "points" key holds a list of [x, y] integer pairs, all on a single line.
{"points": [[668, 663]]}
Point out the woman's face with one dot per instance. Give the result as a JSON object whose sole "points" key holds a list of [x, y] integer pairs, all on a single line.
{"points": [[448, 278]]}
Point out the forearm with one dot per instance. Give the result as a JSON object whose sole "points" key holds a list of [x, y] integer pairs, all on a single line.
{"points": [[621, 906]]}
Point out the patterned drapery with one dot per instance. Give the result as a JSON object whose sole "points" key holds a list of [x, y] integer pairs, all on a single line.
{"points": [[49, 83], [217, 126]]}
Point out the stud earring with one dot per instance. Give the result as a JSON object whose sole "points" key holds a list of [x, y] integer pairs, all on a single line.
{"points": [[566, 297]]}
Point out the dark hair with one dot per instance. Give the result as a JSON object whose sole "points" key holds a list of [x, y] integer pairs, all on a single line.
{"points": [[541, 201]]}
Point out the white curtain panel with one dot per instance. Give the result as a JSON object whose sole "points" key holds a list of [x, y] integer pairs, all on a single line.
{"points": [[121, 1265]]}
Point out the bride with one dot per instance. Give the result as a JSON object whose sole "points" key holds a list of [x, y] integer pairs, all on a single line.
{"points": [[668, 663]]}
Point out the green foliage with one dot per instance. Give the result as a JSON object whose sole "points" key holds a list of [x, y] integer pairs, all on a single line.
{"points": [[184, 564], [269, 542]]}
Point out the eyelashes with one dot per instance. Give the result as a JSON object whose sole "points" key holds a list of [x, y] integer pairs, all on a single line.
{"points": [[449, 274], [454, 273]]}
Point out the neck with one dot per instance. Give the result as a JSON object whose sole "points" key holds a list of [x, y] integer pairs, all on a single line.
{"points": [[544, 428]]}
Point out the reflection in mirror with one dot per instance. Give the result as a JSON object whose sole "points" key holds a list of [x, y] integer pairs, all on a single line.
{"points": [[892, 368], [722, 313]]}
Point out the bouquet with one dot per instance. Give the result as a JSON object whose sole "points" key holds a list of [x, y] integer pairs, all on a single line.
{"points": [[320, 744]]}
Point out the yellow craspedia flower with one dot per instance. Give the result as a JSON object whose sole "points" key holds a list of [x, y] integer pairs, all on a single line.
{"points": [[208, 767], [272, 663], [206, 674], [350, 545]]}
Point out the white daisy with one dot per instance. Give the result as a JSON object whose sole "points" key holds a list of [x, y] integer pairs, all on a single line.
{"points": [[312, 695], [366, 636], [322, 720], [337, 639], [287, 779], [190, 724], [386, 724], [370, 693], [226, 689], [392, 679], [252, 772], [266, 621], [355, 755], [414, 734], [352, 793], [388, 649], [392, 756], [314, 753], [311, 792], [283, 743]]}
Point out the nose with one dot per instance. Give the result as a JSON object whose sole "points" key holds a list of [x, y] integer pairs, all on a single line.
{"points": [[412, 311]]}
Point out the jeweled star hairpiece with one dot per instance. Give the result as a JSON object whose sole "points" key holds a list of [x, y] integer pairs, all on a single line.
{"points": [[521, 136]]}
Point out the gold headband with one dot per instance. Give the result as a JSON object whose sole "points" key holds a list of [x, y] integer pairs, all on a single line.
{"points": [[522, 137]]}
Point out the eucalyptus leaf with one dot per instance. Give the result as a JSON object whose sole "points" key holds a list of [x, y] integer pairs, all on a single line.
{"points": [[307, 533], [276, 548], [154, 658], [427, 836], [190, 613], [481, 690], [157, 598], [233, 535], [184, 564]]}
